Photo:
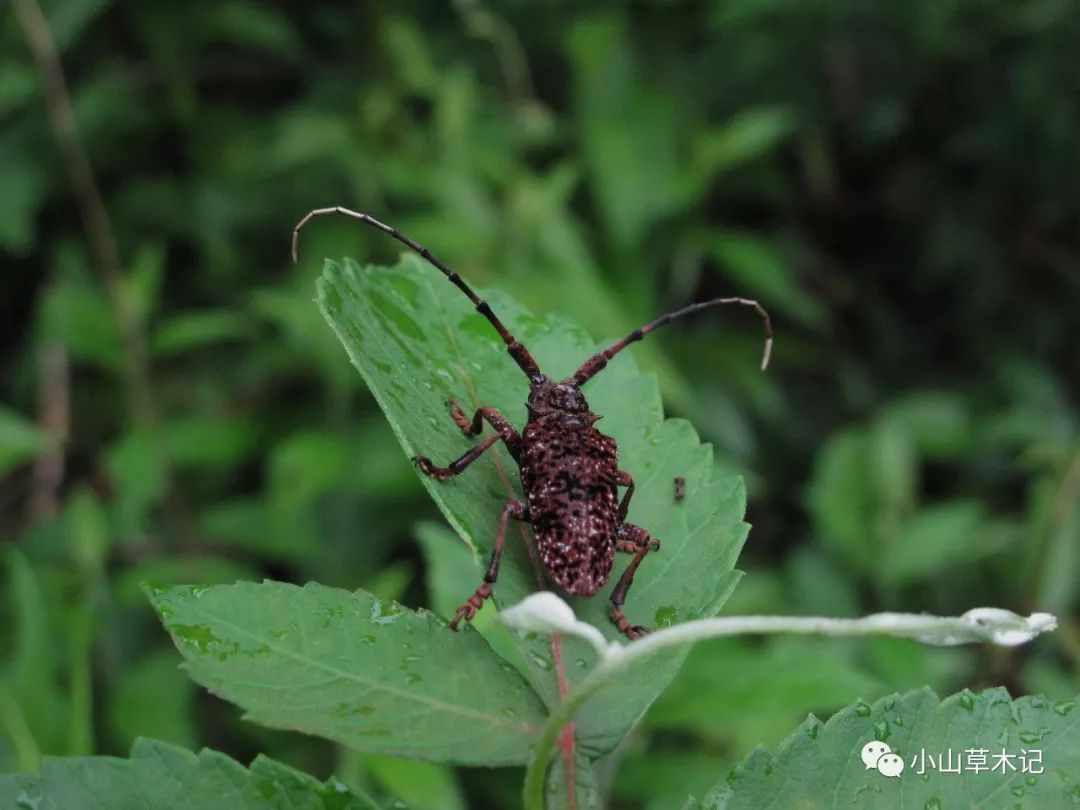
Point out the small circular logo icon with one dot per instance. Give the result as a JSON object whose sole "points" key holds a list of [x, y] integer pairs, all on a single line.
{"points": [[877, 756], [890, 765], [872, 752]]}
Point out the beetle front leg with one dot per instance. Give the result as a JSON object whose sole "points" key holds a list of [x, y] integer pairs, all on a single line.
{"points": [[473, 427], [457, 465], [503, 430], [513, 509], [630, 536]]}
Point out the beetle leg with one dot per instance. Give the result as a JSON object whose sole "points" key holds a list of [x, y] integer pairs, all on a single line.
{"points": [[629, 538], [513, 509], [624, 479], [457, 465], [504, 430], [490, 415], [630, 534]]}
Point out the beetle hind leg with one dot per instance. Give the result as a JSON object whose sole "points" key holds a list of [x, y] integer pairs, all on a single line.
{"points": [[513, 509], [638, 541]]}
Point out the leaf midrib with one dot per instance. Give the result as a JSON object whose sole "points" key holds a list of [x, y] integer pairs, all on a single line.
{"points": [[356, 678]]}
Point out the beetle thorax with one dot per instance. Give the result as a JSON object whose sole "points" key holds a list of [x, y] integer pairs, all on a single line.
{"points": [[561, 401]]}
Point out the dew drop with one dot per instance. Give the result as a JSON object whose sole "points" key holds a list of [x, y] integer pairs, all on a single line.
{"points": [[665, 616], [410, 660], [385, 612], [862, 709], [541, 661], [1014, 712], [1063, 707]]}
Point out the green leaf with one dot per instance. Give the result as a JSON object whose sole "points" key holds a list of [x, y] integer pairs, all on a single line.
{"points": [[939, 422], [200, 330], [863, 490], [819, 765], [449, 564], [355, 669], [137, 709], [35, 710], [743, 138], [417, 341], [162, 776], [20, 439], [936, 539], [134, 463], [80, 318], [210, 442], [582, 776], [418, 785]]}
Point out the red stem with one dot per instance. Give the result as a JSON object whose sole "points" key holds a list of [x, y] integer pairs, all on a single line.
{"points": [[567, 737]]}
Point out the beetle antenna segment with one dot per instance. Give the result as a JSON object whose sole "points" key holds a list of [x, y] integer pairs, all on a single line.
{"points": [[517, 350], [595, 364]]}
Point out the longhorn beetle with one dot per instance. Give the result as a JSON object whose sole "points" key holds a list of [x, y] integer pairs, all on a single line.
{"points": [[569, 470]]}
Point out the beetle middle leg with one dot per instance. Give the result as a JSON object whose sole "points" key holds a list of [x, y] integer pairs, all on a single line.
{"points": [[513, 509], [624, 479], [504, 431], [636, 539]]}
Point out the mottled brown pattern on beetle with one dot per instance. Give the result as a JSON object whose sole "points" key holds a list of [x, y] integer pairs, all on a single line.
{"points": [[569, 470]]}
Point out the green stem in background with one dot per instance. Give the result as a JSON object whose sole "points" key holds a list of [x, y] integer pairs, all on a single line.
{"points": [[1049, 553], [482, 23], [103, 244], [13, 722], [80, 681], [91, 206], [544, 612]]}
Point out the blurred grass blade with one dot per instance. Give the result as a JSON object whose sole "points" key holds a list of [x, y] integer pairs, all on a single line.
{"points": [[20, 439]]}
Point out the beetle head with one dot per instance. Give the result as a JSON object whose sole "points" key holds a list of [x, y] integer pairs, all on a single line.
{"points": [[550, 397]]}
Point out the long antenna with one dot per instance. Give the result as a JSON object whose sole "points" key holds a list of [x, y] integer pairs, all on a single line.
{"points": [[517, 350], [595, 364]]}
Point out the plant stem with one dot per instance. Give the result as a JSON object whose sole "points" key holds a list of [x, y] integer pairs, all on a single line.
{"points": [[891, 624], [91, 206], [104, 246]]}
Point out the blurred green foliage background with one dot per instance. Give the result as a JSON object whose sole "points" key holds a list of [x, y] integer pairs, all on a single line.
{"points": [[895, 181]]}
